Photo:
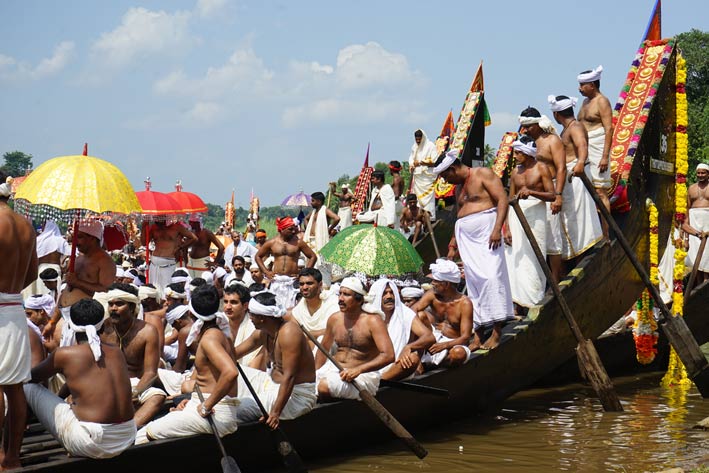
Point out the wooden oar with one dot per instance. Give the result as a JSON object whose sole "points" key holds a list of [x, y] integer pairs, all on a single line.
{"points": [[376, 407], [678, 334], [228, 463], [695, 266], [420, 388], [433, 237], [289, 456], [586, 352]]}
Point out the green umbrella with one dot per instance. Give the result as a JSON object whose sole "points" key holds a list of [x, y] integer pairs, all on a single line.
{"points": [[372, 250]]}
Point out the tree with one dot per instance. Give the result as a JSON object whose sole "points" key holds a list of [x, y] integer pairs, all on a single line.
{"points": [[489, 155], [694, 45], [17, 163]]}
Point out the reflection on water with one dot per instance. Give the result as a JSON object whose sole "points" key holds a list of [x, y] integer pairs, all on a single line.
{"points": [[563, 429]]}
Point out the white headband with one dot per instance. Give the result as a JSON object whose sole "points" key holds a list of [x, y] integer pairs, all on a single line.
{"points": [[526, 148], [591, 76], [445, 270], [91, 334], [447, 162], [411, 292], [170, 293], [5, 189], [124, 296], [176, 314], [559, 105], [256, 308], [44, 302], [704, 166], [222, 323], [353, 284], [145, 292]]}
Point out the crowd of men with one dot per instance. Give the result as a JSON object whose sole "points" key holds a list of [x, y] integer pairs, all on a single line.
{"points": [[99, 352]]}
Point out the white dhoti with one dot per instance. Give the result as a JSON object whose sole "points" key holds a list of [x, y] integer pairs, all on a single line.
{"points": [[15, 358], [188, 421], [161, 270], [68, 337], [37, 286], [196, 266], [79, 438], [302, 399], [580, 222], [172, 380], [486, 275], [596, 139], [148, 393], [666, 268], [554, 244], [527, 279], [345, 214], [699, 220], [438, 358], [342, 389], [282, 287], [423, 187]]}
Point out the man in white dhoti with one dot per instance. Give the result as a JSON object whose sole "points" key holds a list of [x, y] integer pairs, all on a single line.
{"points": [[287, 390], [317, 231], [596, 115], [99, 421], [580, 223], [315, 306], [52, 248], [482, 209], [199, 259], [363, 346], [382, 203], [215, 373], [531, 183], [170, 241], [345, 210], [409, 336], [421, 163], [697, 223], [238, 247], [236, 304]]}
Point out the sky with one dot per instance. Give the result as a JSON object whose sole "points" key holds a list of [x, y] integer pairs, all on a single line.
{"points": [[280, 96]]}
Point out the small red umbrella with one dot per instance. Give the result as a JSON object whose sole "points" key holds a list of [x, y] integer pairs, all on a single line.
{"points": [[189, 203]]}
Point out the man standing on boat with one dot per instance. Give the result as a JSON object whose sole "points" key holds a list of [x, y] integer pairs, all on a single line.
{"points": [[198, 259], [596, 115], [317, 230], [697, 223], [482, 209], [345, 211], [382, 203], [363, 346], [421, 163], [169, 240], [287, 390], [580, 222]]}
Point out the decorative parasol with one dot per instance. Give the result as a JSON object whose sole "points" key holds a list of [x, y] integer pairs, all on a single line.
{"points": [[372, 250], [301, 199], [189, 203]]}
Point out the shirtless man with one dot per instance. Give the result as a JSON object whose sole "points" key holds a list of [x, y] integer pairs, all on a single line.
{"points": [[179, 317], [19, 268], [596, 115], [287, 390], [99, 421], [169, 240], [261, 237], [412, 219], [397, 182], [579, 218], [697, 223], [139, 343], [199, 250], [363, 347], [153, 311], [482, 209], [285, 249], [346, 198], [52, 249], [214, 372], [550, 151]]}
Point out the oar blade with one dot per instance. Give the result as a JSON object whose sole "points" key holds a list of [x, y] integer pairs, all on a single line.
{"points": [[229, 465], [289, 456]]}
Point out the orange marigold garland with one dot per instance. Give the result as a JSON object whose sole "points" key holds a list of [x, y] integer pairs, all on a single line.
{"points": [[676, 373], [645, 327]]}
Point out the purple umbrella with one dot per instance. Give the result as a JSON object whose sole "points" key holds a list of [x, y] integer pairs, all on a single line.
{"points": [[301, 199]]}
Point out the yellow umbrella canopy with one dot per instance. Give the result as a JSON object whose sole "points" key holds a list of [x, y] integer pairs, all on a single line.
{"points": [[64, 186]]}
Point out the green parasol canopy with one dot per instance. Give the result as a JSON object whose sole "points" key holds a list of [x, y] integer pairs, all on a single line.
{"points": [[372, 250]]}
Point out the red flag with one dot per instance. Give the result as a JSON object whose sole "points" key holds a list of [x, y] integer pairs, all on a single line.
{"points": [[366, 158], [86, 149], [654, 26], [448, 126], [478, 85]]}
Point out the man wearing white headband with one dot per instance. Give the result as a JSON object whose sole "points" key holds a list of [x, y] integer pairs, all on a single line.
{"points": [[99, 422], [697, 223], [580, 222], [531, 183], [52, 248], [170, 241], [344, 211], [482, 210], [153, 311], [288, 390], [363, 346], [409, 335], [175, 349], [596, 115]]}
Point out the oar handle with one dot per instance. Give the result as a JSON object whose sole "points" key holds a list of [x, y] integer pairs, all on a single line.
{"points": [[211, 421], [695, 266], [251, 390]]}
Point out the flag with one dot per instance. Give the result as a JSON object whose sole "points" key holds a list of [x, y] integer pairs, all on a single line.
{"points": [[86, 149], [478, 85], [366, 158], [448, 126], [653, 32]]}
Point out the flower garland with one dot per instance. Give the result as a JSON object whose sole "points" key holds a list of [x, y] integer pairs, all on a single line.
{"points": [[676, 372], [645, 327]]}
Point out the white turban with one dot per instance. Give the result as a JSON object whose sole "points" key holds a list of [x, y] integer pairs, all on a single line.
{"points": [[221, 319], [447, 162], [253, 266], [411, 292], [44, 302], [704, 166], [176, 313], [208, 276], [445, 270], [93, 228], [527, 148], [170, 293], [219, 272], [119, 272], [543, 121], [256, 308], [5, 189], [593, 75], [91, 332], [117, 294], [353, 284], [145, 292], [559, 105]]}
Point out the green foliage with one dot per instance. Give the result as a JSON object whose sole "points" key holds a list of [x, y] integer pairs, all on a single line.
{"points": [[16, 163], [489, 154]]}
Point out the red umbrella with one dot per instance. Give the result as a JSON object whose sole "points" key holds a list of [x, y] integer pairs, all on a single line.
{"points": [[189, 202]]}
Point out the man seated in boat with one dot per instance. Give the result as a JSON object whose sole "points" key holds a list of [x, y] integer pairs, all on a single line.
{"points": [[98, 423], [314, 307], [170, 241], [412, 219], [363, 346], [451, 315], [214, 372], [697, 222], [287, 388], [382, 204], [409, 336], [139, 343], [181, 320], [236, 304], [153, 311], [531, 183], [410, 295]]}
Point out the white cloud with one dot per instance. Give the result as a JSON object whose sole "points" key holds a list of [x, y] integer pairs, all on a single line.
{"points": [[142, 33], [366, 65], [209, 8], [204, 113], [10, 68]]}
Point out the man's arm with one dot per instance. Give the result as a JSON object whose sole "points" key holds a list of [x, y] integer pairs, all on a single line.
{"points": [[547, 194], [604, 108], [106, 276], [220, 359], [423, 303], [183, 352], [493, 186], [580, 144], [188, 238], [46, 369], [380, 335], [220, 247], [424, 336], [151, 358], [247, 346], [33, 267], [308, 252], [289, 337], [327, 340], [558, 156], [262, 253], [334, 218]]}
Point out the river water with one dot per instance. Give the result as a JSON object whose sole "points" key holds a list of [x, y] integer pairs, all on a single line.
{"points": [[558, 429]]}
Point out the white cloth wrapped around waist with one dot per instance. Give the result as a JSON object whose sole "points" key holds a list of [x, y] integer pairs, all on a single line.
{"points": [[301, 401], [342, 389], [15, 357], [282, 287], [437, 359], [160, 271], [553, 233], [196, 266], [172, 380], [596, 140], [580, 222], [699, 220], [345, 214], [148, 393]]}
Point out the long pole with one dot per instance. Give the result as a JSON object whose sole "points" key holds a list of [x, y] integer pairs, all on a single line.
{"points": [[695, 266], [228, 463]]}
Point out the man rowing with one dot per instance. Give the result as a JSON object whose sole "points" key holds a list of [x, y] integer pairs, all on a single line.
{"points": [[412, 219]]}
